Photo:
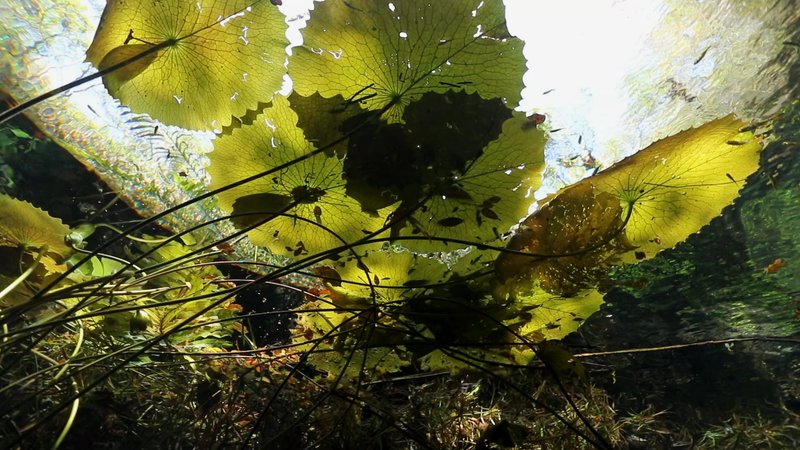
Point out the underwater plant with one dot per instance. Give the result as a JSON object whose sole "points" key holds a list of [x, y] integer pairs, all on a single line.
{"points": [[391, 190]]}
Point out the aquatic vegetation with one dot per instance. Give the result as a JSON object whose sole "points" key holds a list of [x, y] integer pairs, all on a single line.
{"points": [[392, 189], [756, 431], [26, 227], [420, 48], [631, 211], [169, 58], [32, 249], [304, 205]]}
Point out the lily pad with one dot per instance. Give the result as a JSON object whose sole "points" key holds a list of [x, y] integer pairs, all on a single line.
{"points": [[303, 205], [492, 194], [628, 213], [385, 54], [384, 276], [571, 241], [546, 316], [352, 345], [676, 186], [26, 226], [208, 61]]}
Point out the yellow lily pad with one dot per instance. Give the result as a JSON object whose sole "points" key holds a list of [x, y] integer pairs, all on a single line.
{"points": [[678, 184], [628, 213], [382, 53], [304, 205], [208, 61], [24, 225]]}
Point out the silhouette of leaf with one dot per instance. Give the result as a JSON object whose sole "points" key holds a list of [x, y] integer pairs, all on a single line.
{"points": [[379, 53], [269, 204], [491, 195], [461, 167], [442, 133], [327, 120], [311, 189], [217, 59], [579, 228]]}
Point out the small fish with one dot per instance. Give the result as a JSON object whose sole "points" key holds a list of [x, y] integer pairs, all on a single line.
{"points": [[702, 55], [775, 266]]}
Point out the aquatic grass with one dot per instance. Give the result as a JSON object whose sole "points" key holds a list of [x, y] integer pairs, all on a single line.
{"points": [[464, 426], [131, 284], [752, 431], [132, 349]]}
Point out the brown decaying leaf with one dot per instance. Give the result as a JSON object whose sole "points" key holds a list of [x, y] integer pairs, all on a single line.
{"points": [[580, 230]]}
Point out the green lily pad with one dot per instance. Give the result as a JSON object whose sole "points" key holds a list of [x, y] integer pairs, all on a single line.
{"points": [[207, 61], [384, 276], [24, 225], [304, 206], [387, 54]]}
